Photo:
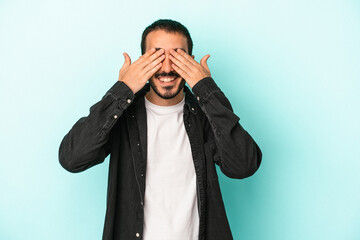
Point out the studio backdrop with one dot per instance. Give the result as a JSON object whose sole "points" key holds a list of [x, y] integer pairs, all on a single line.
{"points": [[291, 70]]}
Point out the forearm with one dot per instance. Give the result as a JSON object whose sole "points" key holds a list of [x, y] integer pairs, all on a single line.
{"points": [[238, 155], [87, 142]]}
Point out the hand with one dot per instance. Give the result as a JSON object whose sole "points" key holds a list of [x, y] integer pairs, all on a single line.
{"points": [[136, 74], [188, 68]]}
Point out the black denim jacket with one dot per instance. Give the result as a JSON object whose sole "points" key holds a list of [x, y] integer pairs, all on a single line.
{"points": [[116, 125]]}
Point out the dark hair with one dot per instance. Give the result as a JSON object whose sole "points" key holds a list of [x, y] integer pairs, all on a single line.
{"points": [[167, 25]]}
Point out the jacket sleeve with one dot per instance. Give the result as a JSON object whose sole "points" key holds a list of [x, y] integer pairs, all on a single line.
{"points": [[235, 151], [87, 143]]}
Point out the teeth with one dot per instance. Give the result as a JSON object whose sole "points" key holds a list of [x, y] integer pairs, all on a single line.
{"points": [[166, 79]]}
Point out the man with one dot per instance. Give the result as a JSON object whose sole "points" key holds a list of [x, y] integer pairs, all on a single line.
{"points": [[163, 143]]}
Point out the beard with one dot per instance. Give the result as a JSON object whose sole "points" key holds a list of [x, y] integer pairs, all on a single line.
{"points": [[168, 89]]}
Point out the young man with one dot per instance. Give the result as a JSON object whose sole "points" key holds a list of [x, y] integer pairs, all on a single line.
{"points": [[163, 143]]}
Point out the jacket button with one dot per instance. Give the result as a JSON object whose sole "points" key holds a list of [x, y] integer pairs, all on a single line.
{"points": [[115, 116], [137, 234], [129, 100], [198, 98], [192, 109]]}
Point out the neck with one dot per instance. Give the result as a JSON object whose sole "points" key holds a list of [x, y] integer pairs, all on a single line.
{"points": [[155, 99]]}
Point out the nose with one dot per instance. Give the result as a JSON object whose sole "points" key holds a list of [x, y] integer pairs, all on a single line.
{"points": [[166, 64]]}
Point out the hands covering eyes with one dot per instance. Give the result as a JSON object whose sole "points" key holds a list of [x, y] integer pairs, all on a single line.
{"points": [[136, 74]]}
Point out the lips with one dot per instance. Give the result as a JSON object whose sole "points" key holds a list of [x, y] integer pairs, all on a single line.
{"points": [[166, 79]]}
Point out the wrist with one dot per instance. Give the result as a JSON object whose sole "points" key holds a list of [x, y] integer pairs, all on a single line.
{"points": [[129, 86]]}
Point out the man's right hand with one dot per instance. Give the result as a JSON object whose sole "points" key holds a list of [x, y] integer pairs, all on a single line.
{"points": [[136, 74]]}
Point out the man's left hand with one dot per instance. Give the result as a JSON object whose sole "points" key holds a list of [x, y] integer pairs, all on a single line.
{"points": [[188, 68]]}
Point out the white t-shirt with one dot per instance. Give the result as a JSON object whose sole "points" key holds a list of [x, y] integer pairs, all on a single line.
{"points": [[170, 207]]}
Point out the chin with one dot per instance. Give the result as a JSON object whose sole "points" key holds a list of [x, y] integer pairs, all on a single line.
{"points": [[167, 87]]}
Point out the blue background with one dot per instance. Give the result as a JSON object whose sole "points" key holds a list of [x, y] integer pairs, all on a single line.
{"points": [[291, 70]]}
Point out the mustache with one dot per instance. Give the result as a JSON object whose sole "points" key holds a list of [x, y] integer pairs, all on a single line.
{"points": [[169, 74]]}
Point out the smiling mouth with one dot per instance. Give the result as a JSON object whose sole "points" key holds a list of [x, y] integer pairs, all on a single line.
{"points": [[166, 79]]}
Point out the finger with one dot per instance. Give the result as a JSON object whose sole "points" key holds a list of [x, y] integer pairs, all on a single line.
{"points": [[147, 54], [127, 59], [181, 65], [152, 58], [179, 53], [182, 59], [127, 62], [182, 73], [152, 71], [153, 63], [203, 62]]}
